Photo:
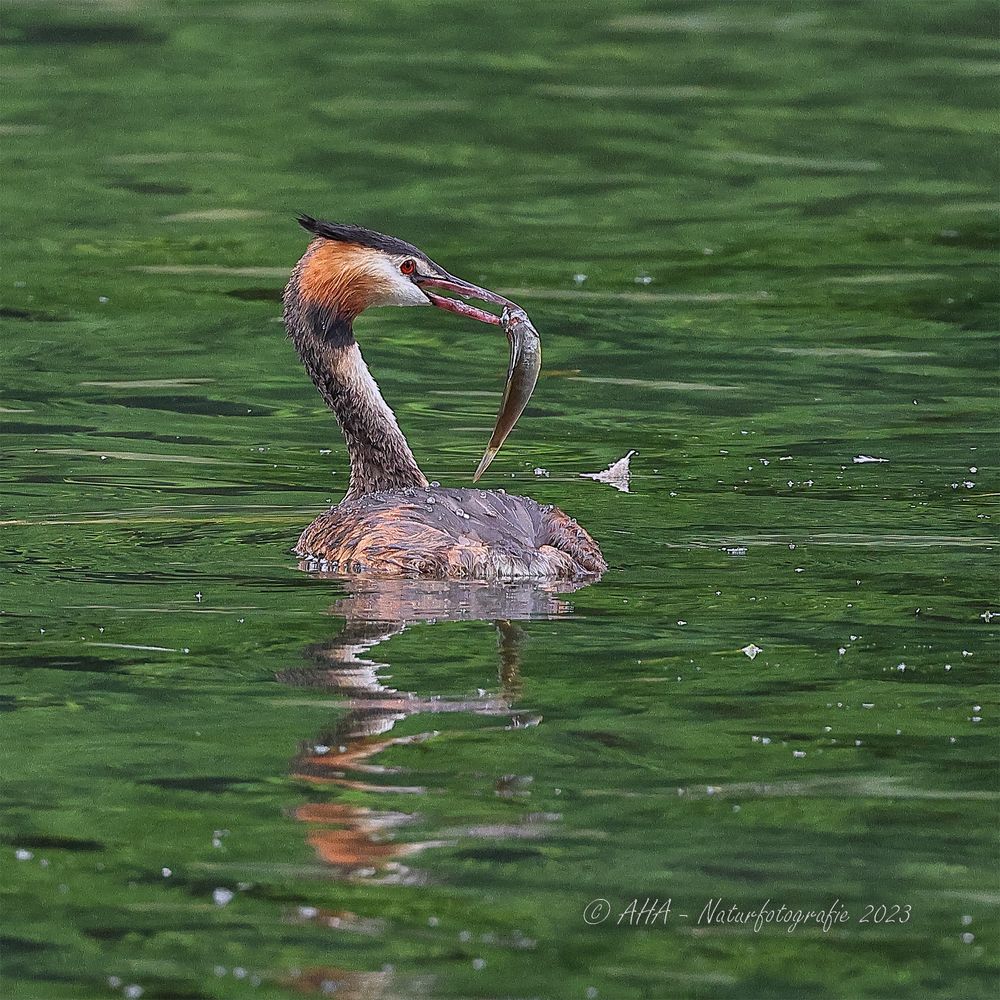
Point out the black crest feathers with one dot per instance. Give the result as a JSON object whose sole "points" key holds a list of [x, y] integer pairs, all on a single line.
{"points": [[359, 236]]}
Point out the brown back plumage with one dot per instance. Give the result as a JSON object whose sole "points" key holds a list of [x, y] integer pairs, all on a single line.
{"points": [[463, 533]]}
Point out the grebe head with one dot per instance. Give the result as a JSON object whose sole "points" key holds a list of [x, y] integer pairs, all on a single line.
{"points": [[348, 269]]}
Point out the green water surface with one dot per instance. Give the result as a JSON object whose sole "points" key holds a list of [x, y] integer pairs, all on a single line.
{"points": [[758, 240]]}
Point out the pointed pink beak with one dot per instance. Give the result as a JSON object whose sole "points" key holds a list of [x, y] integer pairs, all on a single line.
{"points": [[467, 290]]}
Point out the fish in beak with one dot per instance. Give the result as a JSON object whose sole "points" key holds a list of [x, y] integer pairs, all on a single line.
{"points": [[525, 349]]}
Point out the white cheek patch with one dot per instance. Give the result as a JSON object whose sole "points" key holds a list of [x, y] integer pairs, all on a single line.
{"points": [[395, 289]]}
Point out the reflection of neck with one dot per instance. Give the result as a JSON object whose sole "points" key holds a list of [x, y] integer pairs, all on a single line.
{"points": [[380, 457]]}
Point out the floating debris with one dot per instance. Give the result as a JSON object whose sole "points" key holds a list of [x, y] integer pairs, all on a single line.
{"points": [[752, 650], [222, 897], [617, 474], [864, 459]]}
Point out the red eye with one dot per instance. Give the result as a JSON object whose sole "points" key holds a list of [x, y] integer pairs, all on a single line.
{"points": [[408, 266]]}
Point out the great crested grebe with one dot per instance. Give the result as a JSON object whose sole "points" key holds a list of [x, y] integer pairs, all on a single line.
{"points": [[392, 522]]}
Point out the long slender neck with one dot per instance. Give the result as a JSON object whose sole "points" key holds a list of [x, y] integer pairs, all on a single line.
{"points": [[380, 457]]}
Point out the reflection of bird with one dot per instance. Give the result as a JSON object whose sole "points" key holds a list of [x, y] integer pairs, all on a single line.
{"points": [[357, 839], [392, 521]]}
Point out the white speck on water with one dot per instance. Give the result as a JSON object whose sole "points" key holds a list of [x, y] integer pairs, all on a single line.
{"points": [[114, 982], [735, 550], [828, 729], [464, 936], [541, 473], [682, 622], [988, 616], [976, 718], [857, 743], [799, 569], [798, 753], [842, 650], [643, 279], [765, 740], [579, 278], [968, 937], [44, 863], [321, 748], [479, 964], [307, 912], [977, 708], [867, 704], [133, 991], [951, 739], [103, 299], [751, 650], [966, 919], [22, 855], [965, 652], [166, 872], [222, 897], [239, 972], [433, 921], [198, 597], [865, 459], [785, 458], [901, 667], [592, 993]]}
